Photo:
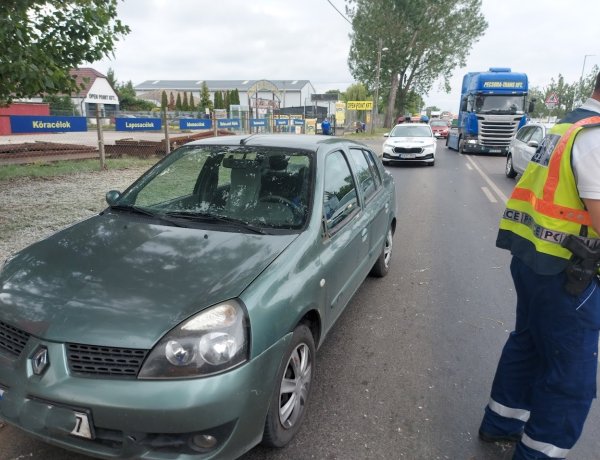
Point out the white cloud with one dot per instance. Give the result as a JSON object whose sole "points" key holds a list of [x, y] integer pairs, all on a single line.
{"points": [[308, 39]]}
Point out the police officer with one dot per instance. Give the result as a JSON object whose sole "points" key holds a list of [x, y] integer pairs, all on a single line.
{"points": [[546, 377]]}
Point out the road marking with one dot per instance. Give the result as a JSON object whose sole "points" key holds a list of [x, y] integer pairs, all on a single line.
{"points": [[493, 186], [469, 167], [486, 192]]}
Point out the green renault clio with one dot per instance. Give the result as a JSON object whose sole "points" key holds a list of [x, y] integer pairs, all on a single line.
{"points": [[182, 322]]}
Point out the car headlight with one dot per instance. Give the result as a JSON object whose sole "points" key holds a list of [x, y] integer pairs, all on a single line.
{"points": [[210, 342]]}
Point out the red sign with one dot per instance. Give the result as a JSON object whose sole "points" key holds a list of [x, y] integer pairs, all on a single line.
{"points": [[552, 99]]}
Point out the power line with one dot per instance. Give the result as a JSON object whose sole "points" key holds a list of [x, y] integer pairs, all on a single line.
{"points": [[339, 12]]}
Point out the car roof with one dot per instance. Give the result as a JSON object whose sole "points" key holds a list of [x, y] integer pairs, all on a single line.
{"points": [[300, 141]]}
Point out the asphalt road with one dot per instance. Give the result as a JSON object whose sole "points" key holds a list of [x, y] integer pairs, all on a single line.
{"points": [[406, 372]]}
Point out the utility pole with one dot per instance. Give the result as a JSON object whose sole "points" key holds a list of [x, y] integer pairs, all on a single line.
{"points": [[375, 110]]}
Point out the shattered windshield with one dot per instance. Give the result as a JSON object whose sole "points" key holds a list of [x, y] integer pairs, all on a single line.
{"points": [[257, 186]]}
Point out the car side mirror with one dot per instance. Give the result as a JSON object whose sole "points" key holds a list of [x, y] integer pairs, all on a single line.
{"points": [[534, 144], [112, 197]]}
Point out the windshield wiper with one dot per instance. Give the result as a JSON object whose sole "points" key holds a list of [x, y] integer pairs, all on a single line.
{"points": [[215, 218], [144, 212]]}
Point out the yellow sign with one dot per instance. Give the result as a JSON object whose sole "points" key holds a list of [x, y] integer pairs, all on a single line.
{"points": [[360, 105], [311, 126], [340, 113]]}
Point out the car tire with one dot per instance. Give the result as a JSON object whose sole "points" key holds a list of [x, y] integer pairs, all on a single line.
{"points": [[382, 264], [509, 170], [288, 403]]}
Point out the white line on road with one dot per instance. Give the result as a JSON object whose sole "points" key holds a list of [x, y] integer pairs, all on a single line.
{"points": [[469, 167], [493, 186], [486, 192]]}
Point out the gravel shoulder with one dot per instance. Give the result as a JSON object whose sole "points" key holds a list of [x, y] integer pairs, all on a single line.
{"points": [[33, 208]]}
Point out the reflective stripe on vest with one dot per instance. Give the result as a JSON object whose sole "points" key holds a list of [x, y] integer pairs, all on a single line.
{"points": [[508, 412], [545, 205], [545, 448]]}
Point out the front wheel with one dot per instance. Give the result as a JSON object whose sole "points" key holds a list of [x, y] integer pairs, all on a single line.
{"points": [[292, 389], [509, 170], [382, 264]]}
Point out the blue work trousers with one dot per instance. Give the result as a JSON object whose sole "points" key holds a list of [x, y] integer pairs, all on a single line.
{"points": [[546, 377]]}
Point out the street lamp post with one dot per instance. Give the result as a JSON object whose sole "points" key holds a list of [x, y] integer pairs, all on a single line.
{"points": [[581, 78], [380, 49]]}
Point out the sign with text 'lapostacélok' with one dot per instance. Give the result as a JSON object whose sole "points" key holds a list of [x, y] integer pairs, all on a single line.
{"points": [[46, 124], [138, 124]]}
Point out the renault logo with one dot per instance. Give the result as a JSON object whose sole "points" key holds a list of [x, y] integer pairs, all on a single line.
{"points": [[39, 360]]}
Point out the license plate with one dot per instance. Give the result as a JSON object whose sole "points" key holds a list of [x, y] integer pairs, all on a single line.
{"points": [[408, 155], [436, 134], [495, 150], [82, 426]]}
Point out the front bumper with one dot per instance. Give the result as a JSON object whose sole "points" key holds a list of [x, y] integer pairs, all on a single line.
{"points": [[143, 419], [408, 158], [480, 148]]}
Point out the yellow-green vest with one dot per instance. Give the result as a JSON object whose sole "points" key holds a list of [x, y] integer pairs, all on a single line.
{"points": [[545, 205]]}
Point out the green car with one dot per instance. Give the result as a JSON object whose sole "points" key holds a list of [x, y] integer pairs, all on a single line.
{"points": [[183, 320]]}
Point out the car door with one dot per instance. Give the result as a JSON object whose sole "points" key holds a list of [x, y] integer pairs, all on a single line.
{"points": [[375, 203], [345, 243], [520, 159]]}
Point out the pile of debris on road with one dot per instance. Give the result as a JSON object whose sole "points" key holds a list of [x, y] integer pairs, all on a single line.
{"points": [[30, 152], [145, 149], [43, 149]]}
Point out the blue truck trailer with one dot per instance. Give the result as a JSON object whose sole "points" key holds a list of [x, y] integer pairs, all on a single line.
{"points": [[493, 106]]}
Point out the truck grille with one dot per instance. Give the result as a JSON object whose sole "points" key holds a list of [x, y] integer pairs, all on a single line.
{"points": [[497, 131], [12, 340], [96, 361]]}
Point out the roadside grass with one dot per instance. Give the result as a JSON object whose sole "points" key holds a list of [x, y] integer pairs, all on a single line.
{"points": [[67, 167]]}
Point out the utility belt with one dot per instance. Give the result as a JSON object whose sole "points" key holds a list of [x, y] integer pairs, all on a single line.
{"points": [[583, 266]]}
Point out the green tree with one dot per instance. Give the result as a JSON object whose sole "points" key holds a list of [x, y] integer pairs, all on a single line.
{"points": [[227, 100], [60, 105], [235, 97], [178, 102], [164, 101], [185, 105], [205, 102], [218, 100], [192, 103], [425, 40], [171, 101], [355, 92], [42, 40]]}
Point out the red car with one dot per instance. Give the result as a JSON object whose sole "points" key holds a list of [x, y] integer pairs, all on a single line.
{"points": [[440, 128]]}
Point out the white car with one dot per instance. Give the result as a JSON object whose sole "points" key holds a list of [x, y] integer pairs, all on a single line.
{"points": [[522, 147], [409, 143]]}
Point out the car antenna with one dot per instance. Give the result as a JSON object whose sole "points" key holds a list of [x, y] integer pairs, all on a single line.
{"points": [[245, 139]]}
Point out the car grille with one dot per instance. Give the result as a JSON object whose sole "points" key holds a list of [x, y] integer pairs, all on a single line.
{"points": [[12, 340], [408, 149], [91, 360], [497, 132]]}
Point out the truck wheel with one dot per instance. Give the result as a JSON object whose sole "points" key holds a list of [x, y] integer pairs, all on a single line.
{"points": [[461, 145]]}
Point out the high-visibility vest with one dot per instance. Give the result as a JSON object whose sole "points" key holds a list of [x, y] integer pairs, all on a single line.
{"points": [[545, 205]]}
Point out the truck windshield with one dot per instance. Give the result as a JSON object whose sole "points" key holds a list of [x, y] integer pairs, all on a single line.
{"points": [[500, 104]]}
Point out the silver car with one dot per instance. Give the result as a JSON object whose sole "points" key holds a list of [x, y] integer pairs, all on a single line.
{"points": [[522, 147]]}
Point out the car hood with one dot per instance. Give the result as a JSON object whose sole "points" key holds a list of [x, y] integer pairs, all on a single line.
{"points": [[410, 141], [117, 281]]}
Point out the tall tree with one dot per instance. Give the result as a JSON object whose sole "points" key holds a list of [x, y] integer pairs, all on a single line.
{"points": [[171, 101], [178, 102], [205, 102], [164, 101], [425, 40], [42, 40], [192, 103], [218, 100], [185, 105]]}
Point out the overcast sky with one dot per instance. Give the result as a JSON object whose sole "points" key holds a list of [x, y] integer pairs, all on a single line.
{"points": [[309, 40]]}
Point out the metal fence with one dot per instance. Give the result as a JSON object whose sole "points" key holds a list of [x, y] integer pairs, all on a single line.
{"points": [[121, 134]]}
